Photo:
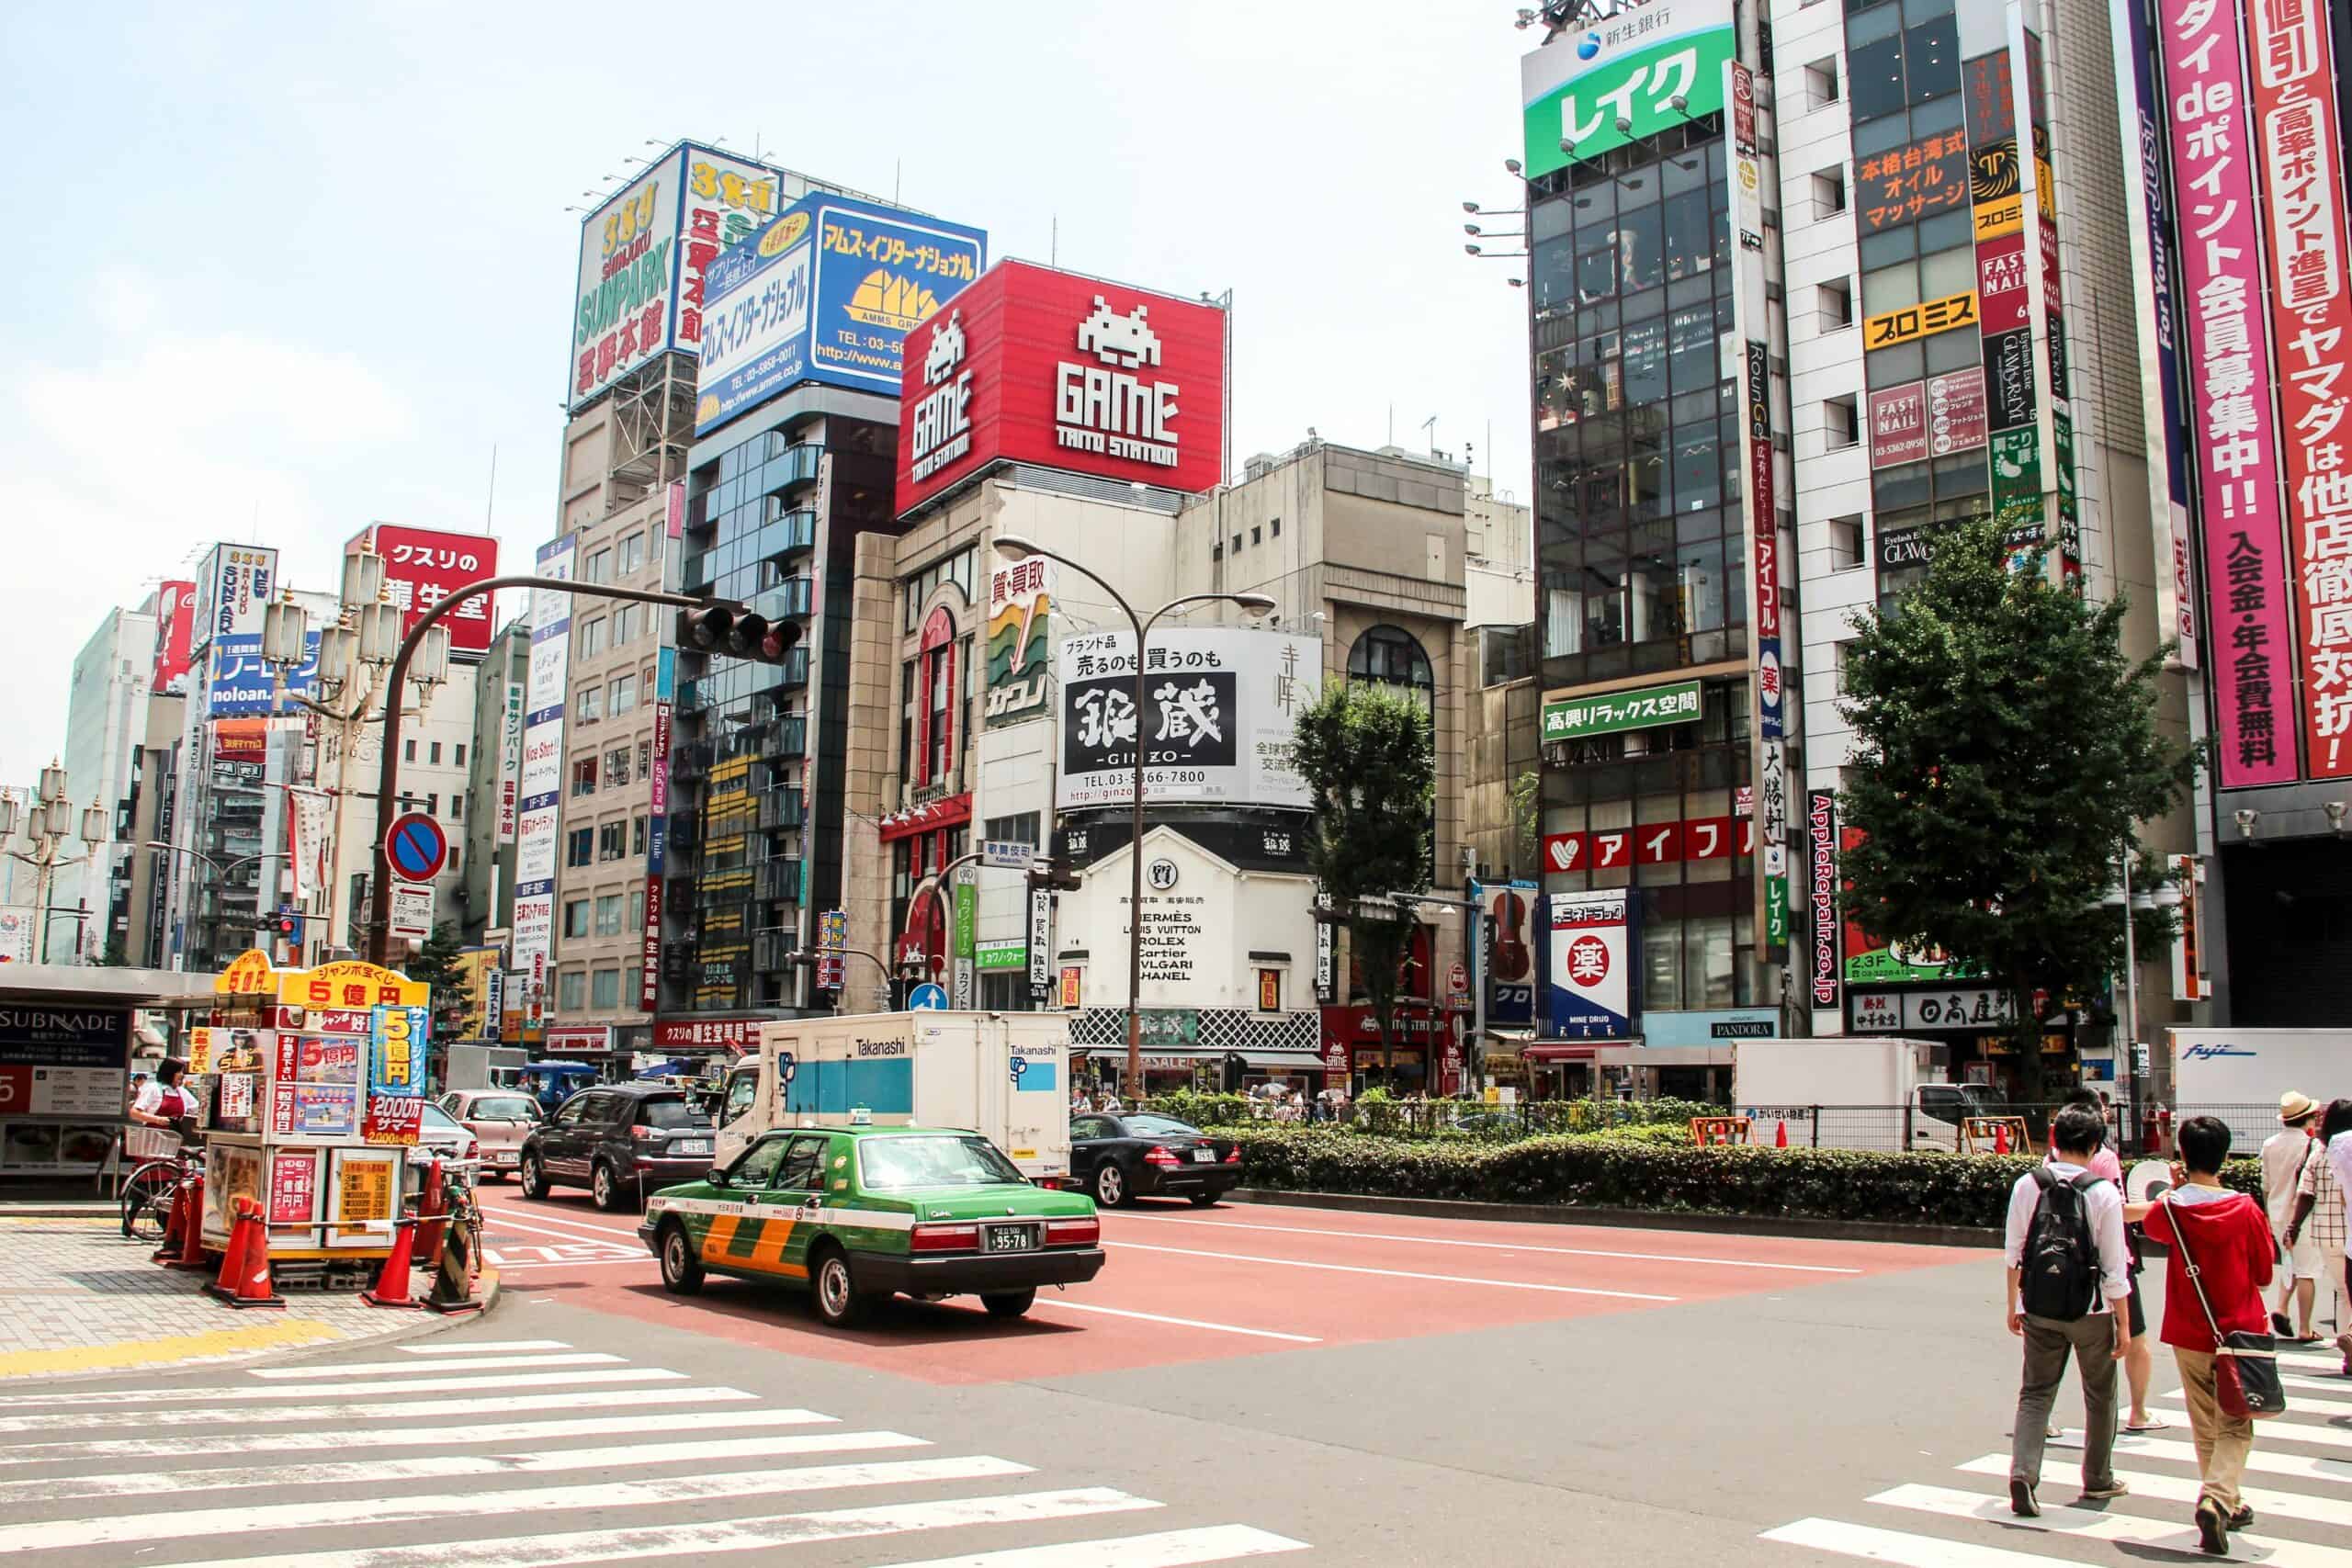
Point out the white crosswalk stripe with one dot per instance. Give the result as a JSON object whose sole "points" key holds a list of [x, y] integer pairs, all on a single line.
{"points": [[2302, 1523], [656, 1467]]}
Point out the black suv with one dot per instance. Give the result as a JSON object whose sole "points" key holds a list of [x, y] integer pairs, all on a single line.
{"points": [[619, 1141]]}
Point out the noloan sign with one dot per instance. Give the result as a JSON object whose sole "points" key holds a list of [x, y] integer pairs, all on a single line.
{"points": [[1608, 713]]}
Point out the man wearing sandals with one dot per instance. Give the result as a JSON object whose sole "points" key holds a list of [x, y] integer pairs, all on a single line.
{"points": [[2284, 1156]]}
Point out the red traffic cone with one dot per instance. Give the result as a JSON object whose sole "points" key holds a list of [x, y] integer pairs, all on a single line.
{"points": [[392, 1286], [183, 1233], [1780, 1136], [2001, 1137], [233, 1257], [432, 1213], [252, 1288]]}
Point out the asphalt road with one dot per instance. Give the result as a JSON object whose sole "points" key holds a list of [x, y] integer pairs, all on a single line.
{"points": [[1326, 1387]]}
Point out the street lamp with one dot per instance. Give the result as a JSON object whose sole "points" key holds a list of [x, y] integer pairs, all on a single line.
{"points": [[49, 823], [1012, 547]]}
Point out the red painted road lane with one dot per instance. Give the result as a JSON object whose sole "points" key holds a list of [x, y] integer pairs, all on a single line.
{"points": [[1192, 1285]]}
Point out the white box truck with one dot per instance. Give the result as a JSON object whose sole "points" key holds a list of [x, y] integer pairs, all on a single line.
{"points": [[475, 1065], [1853, 1092], [2239, 1074], [1005, 1075]]}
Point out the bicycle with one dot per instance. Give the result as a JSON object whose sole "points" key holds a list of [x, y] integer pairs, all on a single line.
{"points": [[151, 1191]]}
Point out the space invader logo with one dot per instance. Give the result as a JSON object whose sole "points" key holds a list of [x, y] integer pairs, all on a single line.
{"points": [[1125, 341], [946, 350]]}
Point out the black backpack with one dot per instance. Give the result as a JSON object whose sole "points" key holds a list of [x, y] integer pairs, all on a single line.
{"points": [[2060, 1271]]}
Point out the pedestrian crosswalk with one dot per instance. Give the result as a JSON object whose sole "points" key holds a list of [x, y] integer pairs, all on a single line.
{"points": [[2299, 1482], [233, 1474]]}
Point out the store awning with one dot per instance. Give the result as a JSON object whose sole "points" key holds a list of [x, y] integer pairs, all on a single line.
{"points": [[1565, 1051]]}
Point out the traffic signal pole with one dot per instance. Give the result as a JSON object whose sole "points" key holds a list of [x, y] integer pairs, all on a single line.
{"points": [[379, 888]]}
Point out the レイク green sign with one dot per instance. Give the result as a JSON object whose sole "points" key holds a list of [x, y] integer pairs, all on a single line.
{"points": [[1606, 81], [1613, 711]]}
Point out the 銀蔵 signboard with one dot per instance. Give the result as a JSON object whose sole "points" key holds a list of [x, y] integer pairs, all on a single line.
{"points": [[1218, 723], [1065, 372], [1607, 713]]}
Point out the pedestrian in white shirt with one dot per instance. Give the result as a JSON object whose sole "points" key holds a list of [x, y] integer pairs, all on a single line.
{"points": [[2069, 1274], [2284, 1155], [2322, 1206]]}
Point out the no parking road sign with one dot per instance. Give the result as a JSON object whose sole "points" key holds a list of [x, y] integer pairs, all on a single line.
{"points": [[416, 847]]}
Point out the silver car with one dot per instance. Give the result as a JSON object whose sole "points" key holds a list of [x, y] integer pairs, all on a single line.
{"points": [[500, 1118]]}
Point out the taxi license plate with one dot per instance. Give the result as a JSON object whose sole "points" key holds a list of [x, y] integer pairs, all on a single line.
{"points": [[690, 1146], [1204, 1156], [1013, 1238]]}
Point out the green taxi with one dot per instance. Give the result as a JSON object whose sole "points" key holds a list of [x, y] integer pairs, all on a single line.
{"points": [[860, 1213]]}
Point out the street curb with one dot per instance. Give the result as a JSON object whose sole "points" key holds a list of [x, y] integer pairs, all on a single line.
{"points": [[1633, 1219], [63, 1211]]}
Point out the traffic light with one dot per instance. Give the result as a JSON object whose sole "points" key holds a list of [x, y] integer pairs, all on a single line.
{"points": [[1053, 875], [738, 632]]}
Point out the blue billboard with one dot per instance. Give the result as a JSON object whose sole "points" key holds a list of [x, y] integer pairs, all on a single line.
{"points": [[245, 686], [828, 292]]}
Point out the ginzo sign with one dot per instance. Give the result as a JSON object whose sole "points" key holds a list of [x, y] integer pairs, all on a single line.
{"points": [[1065, 372]]}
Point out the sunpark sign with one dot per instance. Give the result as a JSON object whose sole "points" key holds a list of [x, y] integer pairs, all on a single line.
{"points": [[1573, 718], [1604, 81]]}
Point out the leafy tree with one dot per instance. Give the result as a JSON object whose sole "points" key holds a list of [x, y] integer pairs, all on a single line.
{"points": [[1367, 754], [2006, 750], [436, 963]]}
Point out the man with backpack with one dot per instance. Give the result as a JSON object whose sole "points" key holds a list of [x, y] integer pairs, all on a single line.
{"points": [[2069, 1273]]}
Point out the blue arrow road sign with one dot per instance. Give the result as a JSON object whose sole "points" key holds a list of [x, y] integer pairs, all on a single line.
{"points": [[927, 998]]}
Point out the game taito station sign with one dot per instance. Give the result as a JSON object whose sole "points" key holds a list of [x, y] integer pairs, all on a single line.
{"points": [[1573, 718]]}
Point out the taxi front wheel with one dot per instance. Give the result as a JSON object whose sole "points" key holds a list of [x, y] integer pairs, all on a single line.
{"points": [[839, 1300], [681, 1275]]}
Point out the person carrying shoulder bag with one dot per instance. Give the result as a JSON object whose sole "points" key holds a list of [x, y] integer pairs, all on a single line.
{"points": [[2221, 1259]]}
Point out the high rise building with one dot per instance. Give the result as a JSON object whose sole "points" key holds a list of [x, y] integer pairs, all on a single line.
{"points": [[106, 724]]}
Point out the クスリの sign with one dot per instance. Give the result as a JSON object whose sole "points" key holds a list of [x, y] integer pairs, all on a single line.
{"points": [[424, 565]]}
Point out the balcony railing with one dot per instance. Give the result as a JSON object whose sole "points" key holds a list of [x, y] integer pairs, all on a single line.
{"points": [[778, 881], [779, 808]]}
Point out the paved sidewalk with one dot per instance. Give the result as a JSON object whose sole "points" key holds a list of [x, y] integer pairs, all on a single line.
{"points": [[75, 1296]]}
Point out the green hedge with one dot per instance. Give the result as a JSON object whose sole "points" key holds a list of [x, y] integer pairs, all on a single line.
{"points": [[1618, 1170]]}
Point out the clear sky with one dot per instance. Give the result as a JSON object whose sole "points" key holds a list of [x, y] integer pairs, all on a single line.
{"points": [[272, 277]]}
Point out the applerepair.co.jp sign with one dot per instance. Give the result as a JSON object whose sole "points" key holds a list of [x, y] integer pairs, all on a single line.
{"points": [[1066, 372]]}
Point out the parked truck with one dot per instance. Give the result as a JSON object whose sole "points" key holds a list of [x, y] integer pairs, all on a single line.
{"points": [[1003, 1075], [2239, 1074], [1860, 1092], [476, 1066]]}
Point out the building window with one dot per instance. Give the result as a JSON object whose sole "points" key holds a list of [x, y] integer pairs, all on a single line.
{"points": [[1835, 300], [433, 754], [584, 777], [433, 803], [604, 990], [1845, 542], [581, 847], [1821, 82], [633, 984], [608, 914], [1829, 192], [408, 750], [575, 917], [906, 719], [456, 808], [636, 909], [599, 568], [1024, 828], [610, 838], [616, 767], [625, 623], [645, 758], [1274, 527], [1840, 423], [460, 761], [1390, 655], [591, 705], [1236, 543], [936, 745], [590, 637], [571, 992], [632, 556], [637, 836], [1838, 664], [624, 694], [958, 569], [1257, 536]]}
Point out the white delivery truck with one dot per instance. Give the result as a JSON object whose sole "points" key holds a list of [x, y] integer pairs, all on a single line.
{"points": [[2239, 1074], [1005, 1075], [1858, 1092], [473, 1065]]}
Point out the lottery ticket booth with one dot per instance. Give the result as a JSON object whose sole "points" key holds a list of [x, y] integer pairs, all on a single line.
{"points": [[317, 1101]]}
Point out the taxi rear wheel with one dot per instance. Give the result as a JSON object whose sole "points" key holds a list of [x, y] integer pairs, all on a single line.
{"points": [[682, 1274], [839, 1300], [1010, 1304]]}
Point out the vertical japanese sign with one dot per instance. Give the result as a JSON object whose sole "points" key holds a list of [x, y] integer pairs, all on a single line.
{"points": [[1821, 832], [537, 829], [967, 934], [657, 843], [2147, 199], [2245, 568], [2297, 142], [1019, 648], [1760, 515], [510, 761], [1041, 932]]}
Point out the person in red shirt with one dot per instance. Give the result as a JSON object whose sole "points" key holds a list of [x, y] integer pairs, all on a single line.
{"points": [[2227, 1237]]}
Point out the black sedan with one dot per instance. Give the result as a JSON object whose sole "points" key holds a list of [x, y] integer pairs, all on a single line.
{"points": [[1119, 1158]]}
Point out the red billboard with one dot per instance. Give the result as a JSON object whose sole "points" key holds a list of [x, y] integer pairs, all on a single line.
{"points": [[1899, 424], [174, 632], [1066, 372], [424, 565]]}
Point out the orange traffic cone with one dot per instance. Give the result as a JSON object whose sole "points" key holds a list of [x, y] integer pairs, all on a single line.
{"points": [[2001, 1137], [252, 1288], [431, 1211], [1780, 1136], [184, 1234], [233, 1257], [392, 1286]]}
